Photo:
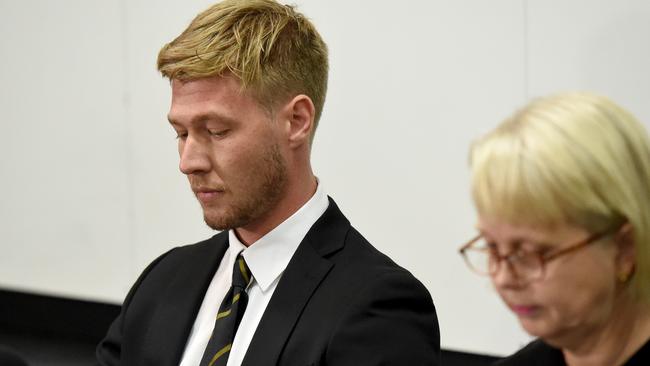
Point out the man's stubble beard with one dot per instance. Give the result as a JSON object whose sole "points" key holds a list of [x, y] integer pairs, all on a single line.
{"points": [[269, 180]]}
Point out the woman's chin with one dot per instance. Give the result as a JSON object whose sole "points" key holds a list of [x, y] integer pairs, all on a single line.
{"points": [[536, 327]]}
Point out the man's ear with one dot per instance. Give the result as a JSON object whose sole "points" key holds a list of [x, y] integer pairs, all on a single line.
{"points": [[300, 113], [626, 252]]}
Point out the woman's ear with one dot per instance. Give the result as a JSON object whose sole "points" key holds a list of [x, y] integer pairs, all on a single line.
{"points": [[626, 252], [300, 113]]}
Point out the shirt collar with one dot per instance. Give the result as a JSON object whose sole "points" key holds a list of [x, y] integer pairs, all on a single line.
{"points": [[269, 256]]}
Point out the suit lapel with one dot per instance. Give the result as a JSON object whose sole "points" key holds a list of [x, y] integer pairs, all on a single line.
{"points": [[177, 309], [306, 270]]}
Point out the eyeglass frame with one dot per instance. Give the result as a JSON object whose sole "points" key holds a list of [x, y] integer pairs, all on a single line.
{"points": [[543, 259]]}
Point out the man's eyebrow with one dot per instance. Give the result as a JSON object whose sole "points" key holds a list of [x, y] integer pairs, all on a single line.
{"points": [[210, 116]]}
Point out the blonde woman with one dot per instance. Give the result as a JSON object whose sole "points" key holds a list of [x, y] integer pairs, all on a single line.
{"points": [[562, 192]]}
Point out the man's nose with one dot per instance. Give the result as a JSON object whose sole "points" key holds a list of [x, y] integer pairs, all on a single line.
{"points": [[194, 156]]}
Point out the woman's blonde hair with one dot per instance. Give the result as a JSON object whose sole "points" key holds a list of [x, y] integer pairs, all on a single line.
{"points": [[573, 158], [273, 50]]}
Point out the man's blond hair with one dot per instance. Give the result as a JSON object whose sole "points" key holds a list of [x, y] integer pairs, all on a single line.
{"points": [[273, 50]]}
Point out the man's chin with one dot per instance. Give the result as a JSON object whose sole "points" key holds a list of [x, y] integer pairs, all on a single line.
{"points": [[224, 221], [216, 224]]}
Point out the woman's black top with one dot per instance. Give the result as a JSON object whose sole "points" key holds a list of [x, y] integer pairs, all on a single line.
{"points": [[538, 353]]}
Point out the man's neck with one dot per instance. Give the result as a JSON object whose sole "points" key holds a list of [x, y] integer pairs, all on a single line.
{"points": [[296, 197]]}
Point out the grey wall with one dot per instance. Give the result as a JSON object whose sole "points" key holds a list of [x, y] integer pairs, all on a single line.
{"points": [[90, 190]]}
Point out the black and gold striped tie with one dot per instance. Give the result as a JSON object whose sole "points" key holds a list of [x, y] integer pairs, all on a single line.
{"points": [[230, 314]]}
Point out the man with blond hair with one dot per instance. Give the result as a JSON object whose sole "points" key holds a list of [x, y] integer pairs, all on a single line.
{"points": [[287, 281]]}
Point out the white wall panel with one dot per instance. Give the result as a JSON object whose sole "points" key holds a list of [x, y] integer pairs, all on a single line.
{"points": [[597, 45], [64, 210]]}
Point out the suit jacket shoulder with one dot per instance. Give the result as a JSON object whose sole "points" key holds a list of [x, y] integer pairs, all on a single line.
{"points": [[342, 302], [159, 310]]}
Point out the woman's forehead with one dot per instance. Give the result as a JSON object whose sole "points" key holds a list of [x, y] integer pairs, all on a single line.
{"points": [[513, 232]]}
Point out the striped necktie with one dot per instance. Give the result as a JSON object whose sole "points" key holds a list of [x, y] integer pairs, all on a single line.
{"points": [[228, 318]]}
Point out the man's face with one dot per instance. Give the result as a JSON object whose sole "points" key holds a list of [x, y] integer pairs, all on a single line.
{"points": [[229, 149]]}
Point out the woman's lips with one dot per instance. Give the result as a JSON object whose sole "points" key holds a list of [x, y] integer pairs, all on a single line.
{"points": [[524, 310]]}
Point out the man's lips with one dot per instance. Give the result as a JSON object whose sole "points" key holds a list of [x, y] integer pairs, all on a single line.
{"points": [[205, 195]]}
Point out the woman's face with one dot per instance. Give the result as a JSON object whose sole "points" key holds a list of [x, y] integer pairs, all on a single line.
{"points": [[576, 295]]}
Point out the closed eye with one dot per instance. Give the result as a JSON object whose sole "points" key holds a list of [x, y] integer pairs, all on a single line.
{"points": [[181, 132], [537, 248], [488, 245], [219, 133], [521, 253]]}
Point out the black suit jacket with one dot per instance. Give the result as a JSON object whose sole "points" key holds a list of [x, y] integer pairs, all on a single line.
{"points": [[10, 358], [339, 302]]}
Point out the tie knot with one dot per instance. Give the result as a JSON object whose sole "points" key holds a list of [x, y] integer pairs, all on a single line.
{"points": [[241, 275]]}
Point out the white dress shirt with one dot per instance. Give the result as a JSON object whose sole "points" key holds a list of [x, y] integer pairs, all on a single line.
{"points": [[266, 258]]}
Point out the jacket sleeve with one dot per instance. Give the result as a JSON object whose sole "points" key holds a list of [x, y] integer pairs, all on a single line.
{"points": [[109, 350], [392, 321]]}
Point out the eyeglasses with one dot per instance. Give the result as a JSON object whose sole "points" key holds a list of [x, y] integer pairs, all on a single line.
{"points": [[483, 258]]}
